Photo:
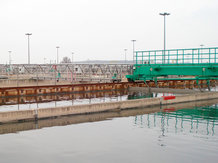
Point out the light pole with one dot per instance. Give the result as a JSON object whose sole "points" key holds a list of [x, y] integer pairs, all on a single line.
{"points": [[125, 54], [164, 15], [28, 39], [44, 60], [9, 57], [72, 57], [57, 53], [133, 48], [73, 73], [201, 51]]}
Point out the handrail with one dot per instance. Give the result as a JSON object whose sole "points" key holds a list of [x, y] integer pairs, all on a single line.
{"points": [[178, 56]]}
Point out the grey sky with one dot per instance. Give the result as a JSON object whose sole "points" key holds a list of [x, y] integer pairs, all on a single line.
{"points": [[102, 29]]}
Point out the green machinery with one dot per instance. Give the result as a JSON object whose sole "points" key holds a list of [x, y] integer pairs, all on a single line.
{"points": [[185, 64]]}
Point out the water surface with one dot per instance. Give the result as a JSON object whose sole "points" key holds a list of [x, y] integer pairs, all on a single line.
{"points": [[167, 136]]}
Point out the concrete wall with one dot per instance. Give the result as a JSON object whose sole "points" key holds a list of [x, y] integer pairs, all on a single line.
{"points": [[100, 107], [192, 97], [16, 115]]}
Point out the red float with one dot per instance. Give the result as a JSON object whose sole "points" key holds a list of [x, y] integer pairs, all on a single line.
{"points": [[168, 97]]}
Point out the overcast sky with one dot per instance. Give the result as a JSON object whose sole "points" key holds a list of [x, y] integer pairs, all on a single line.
{"points": [[102, 29]]}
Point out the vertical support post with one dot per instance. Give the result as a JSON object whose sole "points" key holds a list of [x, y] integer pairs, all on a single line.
{"points": [[90, 68], [67, 78], [72, 57], [197, 82], [177, 57], [163, 57], [142, 57], [136, 58], [121, 72], [57, 54], [37, 80], [104, 75], [164, 15], [192, 56], [17, 76], [9, 59], [133, 48], [155, 57], [28, 49], [28, 39], [155, 80], [183, 55], [72, 72], [149, 57], [164, 40], [201, 52], [125, 55], [55, 74], [208, 84]]}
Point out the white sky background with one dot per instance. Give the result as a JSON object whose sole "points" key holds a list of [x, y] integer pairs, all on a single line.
{"points": [[102, 29]]}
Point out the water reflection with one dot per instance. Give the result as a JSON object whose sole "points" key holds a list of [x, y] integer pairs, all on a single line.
{"points": [[67, 99], [60, 97], [198, 121], [140, 95], [55, 100]]}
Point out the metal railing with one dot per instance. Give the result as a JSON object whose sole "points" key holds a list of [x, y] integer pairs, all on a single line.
{"points": [[178, 56]]}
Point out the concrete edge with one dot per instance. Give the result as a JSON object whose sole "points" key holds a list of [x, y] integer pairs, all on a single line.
{"points": [[13, 116]]}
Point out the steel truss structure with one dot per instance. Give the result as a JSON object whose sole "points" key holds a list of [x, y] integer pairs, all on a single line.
{"points": [[64, 72]]}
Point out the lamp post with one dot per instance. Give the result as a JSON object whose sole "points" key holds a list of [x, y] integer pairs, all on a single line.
{"points": [[72, 57], [201, 51], [28, 39], [164, 15], [44, 60], [133, 49], [57, 53], [9, 57], [125, 54], [73, 74]]}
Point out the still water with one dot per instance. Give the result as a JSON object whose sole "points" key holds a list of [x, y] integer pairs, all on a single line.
{"points": [[135, 136]]}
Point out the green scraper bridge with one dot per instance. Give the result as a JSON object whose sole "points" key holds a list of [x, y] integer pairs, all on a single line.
{"points": [[176, 64]]}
